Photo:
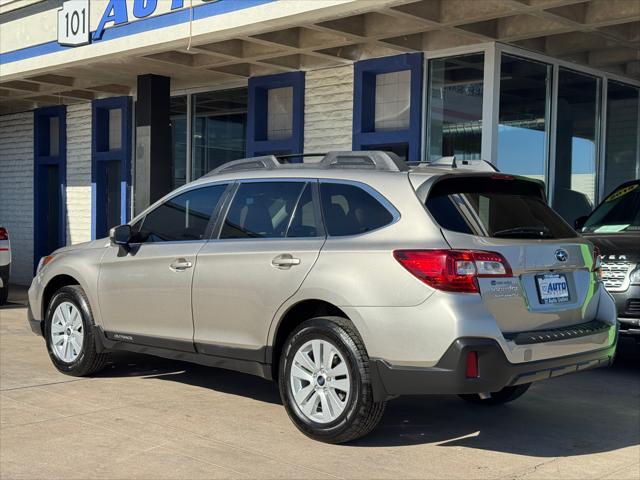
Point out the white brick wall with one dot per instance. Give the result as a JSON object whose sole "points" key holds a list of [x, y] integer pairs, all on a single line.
{"points": [[328, 115], [78, 173], [16, 191]]}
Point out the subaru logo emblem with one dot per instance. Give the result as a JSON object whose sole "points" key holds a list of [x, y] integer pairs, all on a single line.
{"points": [[562, 255]]}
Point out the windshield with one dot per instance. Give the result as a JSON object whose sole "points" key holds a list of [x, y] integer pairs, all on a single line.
{"points": [[620, 212], [499, 207]]}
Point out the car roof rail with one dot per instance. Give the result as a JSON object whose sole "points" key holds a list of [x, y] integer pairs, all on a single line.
{"points": [[265, 162], [373, 160], [453, 163]]}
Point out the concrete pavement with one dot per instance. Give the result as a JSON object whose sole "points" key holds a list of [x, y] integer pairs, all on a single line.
{"points": [[151, 418]]}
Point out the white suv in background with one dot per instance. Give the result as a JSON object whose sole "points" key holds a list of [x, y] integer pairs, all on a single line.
{"points": [[5, 264]]}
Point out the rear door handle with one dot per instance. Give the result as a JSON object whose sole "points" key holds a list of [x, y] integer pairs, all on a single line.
{"points": [[285, 260], [180, 265]]}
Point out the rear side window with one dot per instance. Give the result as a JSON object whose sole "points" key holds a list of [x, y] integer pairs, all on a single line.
{"points": [[183, 217], [265, 210], [495, 207], [350, 210]]}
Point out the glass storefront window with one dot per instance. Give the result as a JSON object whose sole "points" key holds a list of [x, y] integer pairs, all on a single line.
{"points": [[523, 116], [219, 129], [178, 124], [455, 106], [622, 159], [576, 144], [115, 129], [393, 101], [279, 113]]}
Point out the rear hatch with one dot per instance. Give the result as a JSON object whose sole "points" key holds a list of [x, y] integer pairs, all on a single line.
{"points": [[552, 283]]}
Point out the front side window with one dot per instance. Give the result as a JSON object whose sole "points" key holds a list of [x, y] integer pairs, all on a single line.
{"points": [[350, 210], [501, 208], [181, 218], [265, 210]]}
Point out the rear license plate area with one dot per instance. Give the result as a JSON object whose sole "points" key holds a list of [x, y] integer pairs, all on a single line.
{"points": [[552, 288]]}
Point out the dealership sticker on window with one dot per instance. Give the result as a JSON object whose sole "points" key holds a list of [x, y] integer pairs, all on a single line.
{"points": [[621, 193], [611, 228], [73, 23]]}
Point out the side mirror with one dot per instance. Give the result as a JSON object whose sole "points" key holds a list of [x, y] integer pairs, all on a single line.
{"points": [[120, 235], [579, 222]]}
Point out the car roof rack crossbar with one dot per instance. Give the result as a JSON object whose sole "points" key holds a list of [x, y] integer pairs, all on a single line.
{"points": [[286, 157], [370, 160], [453, 163]]}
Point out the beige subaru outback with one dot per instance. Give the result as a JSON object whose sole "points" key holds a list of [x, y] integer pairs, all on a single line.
{"points": [[350, 281]]}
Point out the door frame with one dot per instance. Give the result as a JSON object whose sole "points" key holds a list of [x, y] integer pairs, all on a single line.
{"points": [[100, 120], [40, 138]]}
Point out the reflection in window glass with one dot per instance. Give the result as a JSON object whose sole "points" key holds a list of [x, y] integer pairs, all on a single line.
{"points": [[178, 125], [393, 96], [54, 136], [621, 156], [279, 113], [495, 208], [575, 170], [522, 126], [183, 217], [261, 210], [219, 129], [455, 106], [115, 129]]}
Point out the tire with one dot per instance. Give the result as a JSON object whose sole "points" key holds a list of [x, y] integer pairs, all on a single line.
{"points": [[4, 295], [86, 360], [349, 413], [507, 394]]}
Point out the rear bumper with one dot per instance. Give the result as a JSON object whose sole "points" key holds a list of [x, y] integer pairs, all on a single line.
{"points": [[448, 376]]}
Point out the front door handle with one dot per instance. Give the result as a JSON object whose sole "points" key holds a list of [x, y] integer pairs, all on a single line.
{"points": [[180, 265], [285, 260]]}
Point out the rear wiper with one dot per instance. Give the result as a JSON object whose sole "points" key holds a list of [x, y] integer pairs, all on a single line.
{"points": [[530, 232]]}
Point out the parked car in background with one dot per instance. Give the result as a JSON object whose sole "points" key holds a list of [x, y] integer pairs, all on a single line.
{"points": [[5, 264], [350, 281], [614, 227]]}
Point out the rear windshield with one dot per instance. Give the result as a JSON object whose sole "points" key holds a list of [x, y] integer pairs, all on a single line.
{"points": [[501, 207]]}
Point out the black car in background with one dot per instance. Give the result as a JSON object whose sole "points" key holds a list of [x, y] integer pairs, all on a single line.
{"points": [[614, 227]]}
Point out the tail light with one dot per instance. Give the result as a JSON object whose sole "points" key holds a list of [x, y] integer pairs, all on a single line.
{"points": [[4, 235], [472, 365], [453, 270], [597, 262]]}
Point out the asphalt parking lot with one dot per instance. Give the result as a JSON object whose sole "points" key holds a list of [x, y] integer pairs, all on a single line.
{"points": [[150, 418]]}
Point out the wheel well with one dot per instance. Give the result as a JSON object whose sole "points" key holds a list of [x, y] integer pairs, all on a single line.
{"points": [[295, 316], [55, 284]]}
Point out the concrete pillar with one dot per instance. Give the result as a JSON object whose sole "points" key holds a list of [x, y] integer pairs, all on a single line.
{"points": [[153, 141]]}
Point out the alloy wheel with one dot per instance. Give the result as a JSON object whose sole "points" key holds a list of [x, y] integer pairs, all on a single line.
{"points": [[320, 381], [67, 332]]}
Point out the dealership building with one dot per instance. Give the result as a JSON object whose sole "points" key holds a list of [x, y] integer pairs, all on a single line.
{"points": [[107, 105]]}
